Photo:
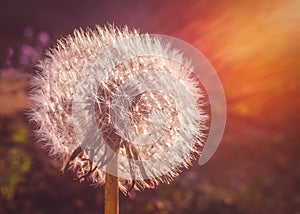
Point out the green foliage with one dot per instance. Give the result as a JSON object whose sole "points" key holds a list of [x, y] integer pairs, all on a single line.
{"points": [[15, 162], [20, 135], [15, 165]]}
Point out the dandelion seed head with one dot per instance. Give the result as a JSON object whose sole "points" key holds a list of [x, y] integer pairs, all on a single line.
{"points": [[130, 92]]}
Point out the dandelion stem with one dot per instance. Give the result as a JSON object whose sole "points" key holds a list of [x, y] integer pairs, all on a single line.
{"points": [[112, 188]]}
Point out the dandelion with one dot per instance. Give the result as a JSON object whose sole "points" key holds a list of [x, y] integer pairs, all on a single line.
{"points": [[112, 103]]}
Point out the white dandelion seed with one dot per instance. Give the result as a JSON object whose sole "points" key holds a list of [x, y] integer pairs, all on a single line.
{"points": [[110, 90]]}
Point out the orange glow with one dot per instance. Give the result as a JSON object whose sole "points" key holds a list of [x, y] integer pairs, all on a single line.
{"points": [[255, 49]]}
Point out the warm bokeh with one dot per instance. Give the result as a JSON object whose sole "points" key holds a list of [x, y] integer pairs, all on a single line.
{"points": [[255, 48]]}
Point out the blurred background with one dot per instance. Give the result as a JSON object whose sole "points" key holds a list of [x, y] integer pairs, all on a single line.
{"points": [[255, 48]]}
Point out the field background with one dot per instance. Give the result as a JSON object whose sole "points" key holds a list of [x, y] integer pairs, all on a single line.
{"points": [[255, 48]]}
